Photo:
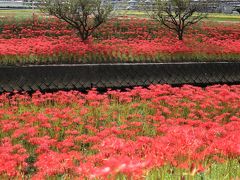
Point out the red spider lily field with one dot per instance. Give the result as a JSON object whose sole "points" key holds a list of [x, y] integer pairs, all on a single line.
{"points": [[50, 41], [159, 132]]}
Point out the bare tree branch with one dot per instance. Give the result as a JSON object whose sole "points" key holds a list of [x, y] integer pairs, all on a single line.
{"points": [[83, 15], [177, 15]]}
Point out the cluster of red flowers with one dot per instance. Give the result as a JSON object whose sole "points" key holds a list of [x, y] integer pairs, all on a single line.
{"points": [[33, 27], [132, 133], [119, 39]]}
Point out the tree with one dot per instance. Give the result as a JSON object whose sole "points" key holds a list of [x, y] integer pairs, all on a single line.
{"points": [[83, 15], [177, 15]]}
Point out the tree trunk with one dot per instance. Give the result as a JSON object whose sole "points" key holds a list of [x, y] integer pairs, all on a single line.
{"points": [[180, 35], [87, 41], [83, 35], [84, 38]]}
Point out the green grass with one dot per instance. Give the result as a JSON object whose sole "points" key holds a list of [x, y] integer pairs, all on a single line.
{"points": [[223, 17], [26, 13], [134, 13], [19, 13], [211, 16]]}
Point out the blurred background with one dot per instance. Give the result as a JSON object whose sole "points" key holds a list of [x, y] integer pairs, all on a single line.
{"points": [[218, 6]]}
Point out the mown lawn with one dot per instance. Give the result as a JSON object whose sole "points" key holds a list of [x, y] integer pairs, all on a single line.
{"points": [[18, 13]]}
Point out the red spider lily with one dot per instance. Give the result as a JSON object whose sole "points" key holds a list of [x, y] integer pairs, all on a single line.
{"points": [[118, 40], [128, 132]]}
